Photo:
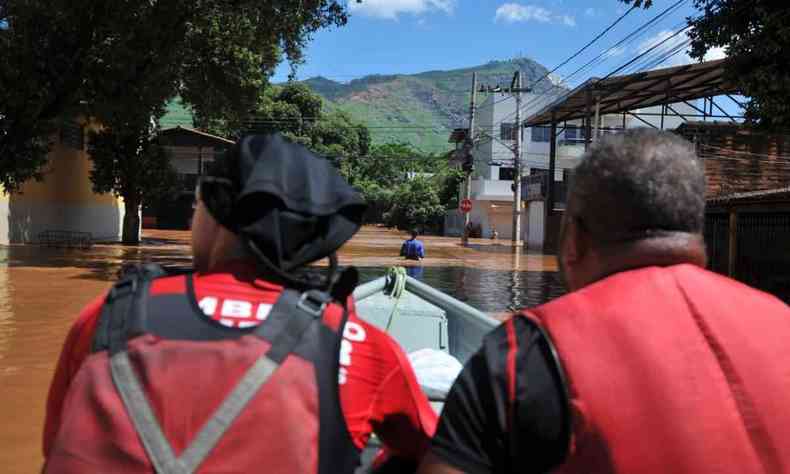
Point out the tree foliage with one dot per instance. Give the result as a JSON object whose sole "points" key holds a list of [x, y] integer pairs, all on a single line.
{"points": [[298, 113], [404, 187], [121, 61], [755, 34]]}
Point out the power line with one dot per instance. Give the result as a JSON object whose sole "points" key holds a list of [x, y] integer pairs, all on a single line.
{"points": [[605, 55]]}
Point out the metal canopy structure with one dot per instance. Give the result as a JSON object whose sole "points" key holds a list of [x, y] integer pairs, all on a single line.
{"points": [[618, 94], [631, 92]]}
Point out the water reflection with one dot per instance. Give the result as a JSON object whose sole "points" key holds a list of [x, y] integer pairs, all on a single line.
{"points": [[415, 272], [490, 291]]}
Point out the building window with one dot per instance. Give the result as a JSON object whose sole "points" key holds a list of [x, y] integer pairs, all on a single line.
{"points": [[507, 131], [573, 134], [541, 134], [72, 135], [507, 174]]}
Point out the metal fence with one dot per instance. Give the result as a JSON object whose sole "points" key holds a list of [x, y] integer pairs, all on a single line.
{"points": [[762, 249], [717, 241]]}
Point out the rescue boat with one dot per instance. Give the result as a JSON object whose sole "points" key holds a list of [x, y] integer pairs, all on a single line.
{"points": [[419, 317]]}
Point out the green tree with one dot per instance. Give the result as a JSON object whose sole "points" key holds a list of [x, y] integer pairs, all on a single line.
{"points": [[417, 204], [297, 112], [120, 62], [756, 37], [129, 163], [404, 187]]}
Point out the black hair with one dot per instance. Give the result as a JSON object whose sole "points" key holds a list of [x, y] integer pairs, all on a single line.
{"points": [[637, 184]]}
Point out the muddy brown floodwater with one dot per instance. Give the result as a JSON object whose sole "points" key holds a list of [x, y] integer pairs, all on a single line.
{"points": [[43, 289]]}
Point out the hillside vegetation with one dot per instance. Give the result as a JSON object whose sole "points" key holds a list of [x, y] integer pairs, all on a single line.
{"points": [[415, 109], [421, 109]]}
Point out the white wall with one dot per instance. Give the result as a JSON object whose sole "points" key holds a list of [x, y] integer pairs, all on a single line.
{"points": [[536, 230]]}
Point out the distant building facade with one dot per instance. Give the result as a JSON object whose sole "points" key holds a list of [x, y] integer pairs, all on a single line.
{"points": [[494, 170], [192, 152]]}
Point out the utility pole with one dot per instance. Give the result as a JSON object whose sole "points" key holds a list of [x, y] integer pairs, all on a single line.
{"points": [[468, 146], [516, 88]]}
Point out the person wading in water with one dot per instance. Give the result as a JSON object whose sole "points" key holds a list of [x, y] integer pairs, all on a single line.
{"points": [[412, 249], [651, 364], [249, 364]]}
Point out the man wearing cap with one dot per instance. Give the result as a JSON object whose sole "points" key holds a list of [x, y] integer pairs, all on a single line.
{"points": [[251, 363], [651, 364]]}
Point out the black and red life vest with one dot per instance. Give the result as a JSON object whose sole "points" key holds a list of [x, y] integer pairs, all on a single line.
{"points": [[169, 390], [674, 370]]}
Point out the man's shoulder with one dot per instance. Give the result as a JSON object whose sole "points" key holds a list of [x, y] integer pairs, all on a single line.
{"points": [[696, 280]]}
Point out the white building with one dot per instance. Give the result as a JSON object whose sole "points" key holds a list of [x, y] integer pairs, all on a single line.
{"points": [[494, 170]]}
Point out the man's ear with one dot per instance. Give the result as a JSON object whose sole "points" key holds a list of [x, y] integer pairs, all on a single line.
{"points": [[575, 240]]}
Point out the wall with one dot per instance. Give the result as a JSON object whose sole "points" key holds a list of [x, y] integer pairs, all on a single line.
{"points": [[64, 200], [738, 159], [536, 228]]}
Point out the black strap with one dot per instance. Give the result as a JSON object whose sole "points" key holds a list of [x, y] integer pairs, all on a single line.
{"points": [[125, 297], [112, 326], [297, 311]]}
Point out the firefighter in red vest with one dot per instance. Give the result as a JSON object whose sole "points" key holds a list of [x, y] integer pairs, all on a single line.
{"points": [[252, 363], [651, 364]]}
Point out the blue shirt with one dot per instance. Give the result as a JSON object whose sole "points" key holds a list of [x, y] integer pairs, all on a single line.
{"points": [[412, 249]]}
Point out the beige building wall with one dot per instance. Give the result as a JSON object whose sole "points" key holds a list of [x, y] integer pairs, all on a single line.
{"points": [[64, 200]]}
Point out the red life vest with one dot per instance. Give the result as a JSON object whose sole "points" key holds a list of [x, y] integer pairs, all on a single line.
{"points": [[169, 390], [674, 370]]}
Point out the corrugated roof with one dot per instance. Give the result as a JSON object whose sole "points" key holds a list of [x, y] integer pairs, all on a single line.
{"points": [[765, 194], [639, 90]]}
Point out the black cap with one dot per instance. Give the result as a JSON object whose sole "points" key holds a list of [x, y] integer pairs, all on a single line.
{"points": [[290, 203]]}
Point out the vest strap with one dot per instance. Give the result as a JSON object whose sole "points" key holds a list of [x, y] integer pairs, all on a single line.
{"points": [[301, 311], [147, 426]]}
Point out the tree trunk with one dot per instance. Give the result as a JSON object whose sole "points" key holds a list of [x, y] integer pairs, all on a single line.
{"points": [[131, 221]]}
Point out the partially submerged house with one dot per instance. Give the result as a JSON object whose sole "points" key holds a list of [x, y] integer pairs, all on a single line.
{"points": [[192, 152]]}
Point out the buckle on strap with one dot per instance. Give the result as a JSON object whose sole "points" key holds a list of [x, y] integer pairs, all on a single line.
{"points": [[123, 288], [313, 302]]}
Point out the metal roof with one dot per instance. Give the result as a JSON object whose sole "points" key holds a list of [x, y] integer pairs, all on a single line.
{"points": [[762, 195], [184, 136], [639, 90]]}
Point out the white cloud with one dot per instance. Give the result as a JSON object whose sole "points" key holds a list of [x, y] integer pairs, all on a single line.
{"points": [[391, 9], [516, 13], [513, 13], [590, 11], [678, 59]]}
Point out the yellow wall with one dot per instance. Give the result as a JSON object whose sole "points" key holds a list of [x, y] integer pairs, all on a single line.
{"points": [[66, 179], [63, 200]]}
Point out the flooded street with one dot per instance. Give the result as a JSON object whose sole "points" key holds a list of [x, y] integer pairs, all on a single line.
{"points": [[43, 289]]}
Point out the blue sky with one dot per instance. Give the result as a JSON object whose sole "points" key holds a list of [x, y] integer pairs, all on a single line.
{"points": [[408, 36]]}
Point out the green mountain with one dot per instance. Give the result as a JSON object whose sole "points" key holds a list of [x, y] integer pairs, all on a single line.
{"points": [[422, 109], [419, 109]]}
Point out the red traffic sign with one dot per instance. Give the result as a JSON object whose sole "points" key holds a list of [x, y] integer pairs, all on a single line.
{"points": [[466, 205]]}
